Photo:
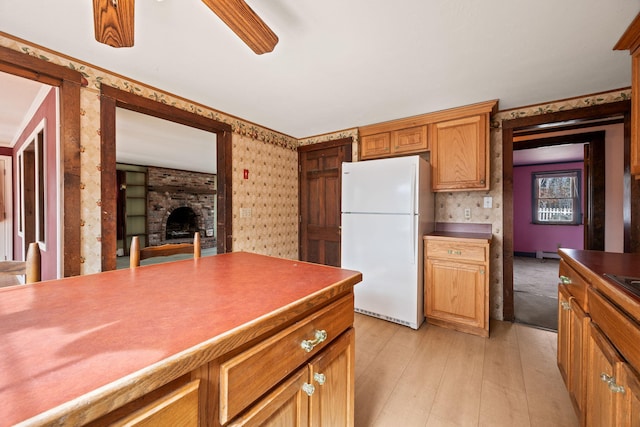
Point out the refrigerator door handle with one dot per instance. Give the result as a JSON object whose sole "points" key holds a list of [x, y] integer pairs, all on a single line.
{"points": [[413, 193], [412, 217], [412, 237]]}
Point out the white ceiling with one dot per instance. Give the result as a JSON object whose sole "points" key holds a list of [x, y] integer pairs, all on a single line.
{"points": [[18, 99], [549, 154], [341, 64], [150, 141]]}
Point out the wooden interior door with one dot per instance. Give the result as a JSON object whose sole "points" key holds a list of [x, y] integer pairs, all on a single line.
{"points": [[320, 178]]}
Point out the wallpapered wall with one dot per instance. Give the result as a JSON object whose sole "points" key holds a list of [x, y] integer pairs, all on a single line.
{"points": [[272, 188]]}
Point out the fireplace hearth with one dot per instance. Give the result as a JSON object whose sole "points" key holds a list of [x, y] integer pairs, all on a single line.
{"points": [[179, 203], [181, 224]]}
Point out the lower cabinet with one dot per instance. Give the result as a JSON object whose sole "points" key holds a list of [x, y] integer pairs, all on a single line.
{"points": [[598, 352], [456, 283], [318, 394], [602, 388], [572, 335], [564, 332], [178, 409], [630, 401], [613, 386], [302, 375], [577, 362], [171, 405]]}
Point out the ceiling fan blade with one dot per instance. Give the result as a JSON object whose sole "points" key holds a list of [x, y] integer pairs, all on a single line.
{"points": [[113, 22], [245, 23]]}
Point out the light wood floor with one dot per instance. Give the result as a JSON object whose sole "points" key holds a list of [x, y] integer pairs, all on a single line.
{"points": [[439, 377]]}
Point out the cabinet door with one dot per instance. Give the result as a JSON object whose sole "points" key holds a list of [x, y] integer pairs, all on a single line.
{"points": [[373, 146], [577, 361], [455, 291], [286, 406], [564, 332], [459, 154], [629, 410], [602, 364], [332, 374], [411, 140]]}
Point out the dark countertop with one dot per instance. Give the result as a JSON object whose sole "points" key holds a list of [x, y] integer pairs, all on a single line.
{"points": [[76, 340], [460, 235], [461, 231], [592, 265]]}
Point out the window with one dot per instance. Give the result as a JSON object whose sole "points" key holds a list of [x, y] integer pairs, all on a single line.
{"points": [[556, 197], [32, 188]]}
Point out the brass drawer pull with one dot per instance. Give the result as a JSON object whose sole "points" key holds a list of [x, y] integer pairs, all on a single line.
{"points": [[319, 378], [308, 345], [611, 382], [308, 388], [565, 280], [452, 252]]}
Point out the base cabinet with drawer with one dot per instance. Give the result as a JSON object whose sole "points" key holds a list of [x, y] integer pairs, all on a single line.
{"points": [[318, 394], [599, 338], [256, 386], [573, 325], [456, 283]]}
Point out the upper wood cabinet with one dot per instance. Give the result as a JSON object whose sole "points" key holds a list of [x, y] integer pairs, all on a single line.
{"points": [[630, 41], [457, 138], [460, 154], [404, 141]]}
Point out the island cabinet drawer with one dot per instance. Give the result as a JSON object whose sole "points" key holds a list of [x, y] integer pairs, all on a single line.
{"points": [[178, 407], [575, 283], [249, 375], [456, 250], [620, 329]]}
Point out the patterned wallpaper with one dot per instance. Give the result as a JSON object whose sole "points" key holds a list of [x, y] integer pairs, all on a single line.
{"points": [[271, 191], [271, 195], [353, 133]]}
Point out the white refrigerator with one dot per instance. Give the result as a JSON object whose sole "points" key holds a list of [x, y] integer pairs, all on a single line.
{"points": [[387, 206]]}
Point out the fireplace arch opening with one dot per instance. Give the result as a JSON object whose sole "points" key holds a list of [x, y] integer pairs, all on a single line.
{"points": [[182, 223]]}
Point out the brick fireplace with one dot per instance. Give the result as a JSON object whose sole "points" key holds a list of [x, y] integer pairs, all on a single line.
{"points": [[180, 203]]}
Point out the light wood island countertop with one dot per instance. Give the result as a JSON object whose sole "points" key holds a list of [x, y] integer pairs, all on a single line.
{"points": [[76, 348]]}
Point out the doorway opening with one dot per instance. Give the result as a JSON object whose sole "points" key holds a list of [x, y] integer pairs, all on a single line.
{"points": [[113, 99], [548, 195], [571, 120]]}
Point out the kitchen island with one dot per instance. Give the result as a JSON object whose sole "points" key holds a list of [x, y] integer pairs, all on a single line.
{"points": [[219, 340], [599, 335]]}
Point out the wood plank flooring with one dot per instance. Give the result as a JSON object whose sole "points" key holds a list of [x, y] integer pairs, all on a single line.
{"points": [[439, 377]]}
